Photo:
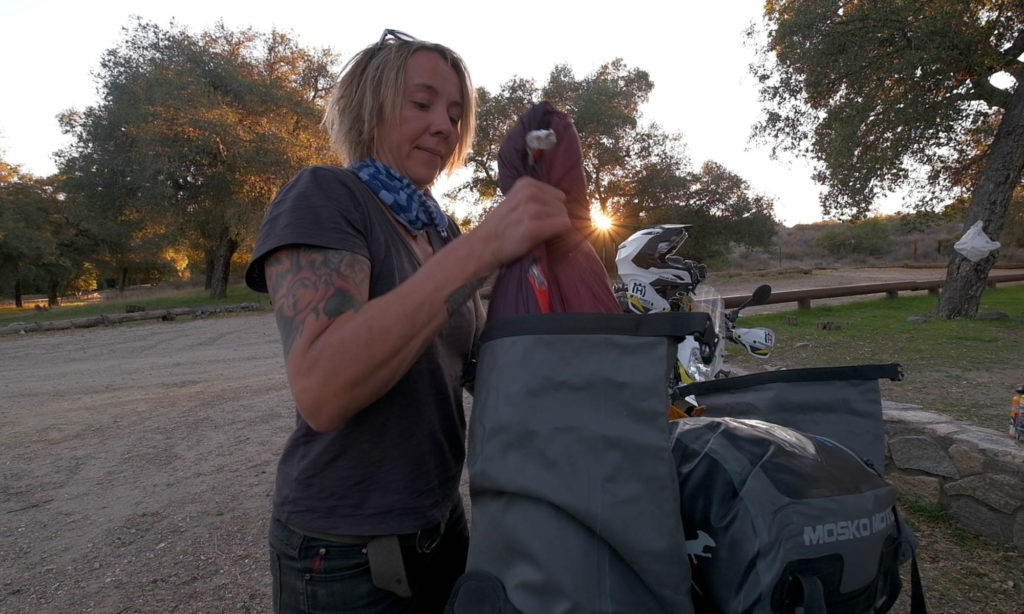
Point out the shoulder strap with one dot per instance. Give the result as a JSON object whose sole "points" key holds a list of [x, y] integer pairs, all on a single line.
{"points": [[812, 596], [918, 605], [917, 602], [479, 591]]}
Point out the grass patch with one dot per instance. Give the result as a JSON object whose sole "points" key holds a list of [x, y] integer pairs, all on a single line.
{"points": [[930, 512], [152, 298], [961, 571], [966, 368], [924, 516]]}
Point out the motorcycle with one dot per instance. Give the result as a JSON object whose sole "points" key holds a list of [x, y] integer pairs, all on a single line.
{"points": [[655, 279]]}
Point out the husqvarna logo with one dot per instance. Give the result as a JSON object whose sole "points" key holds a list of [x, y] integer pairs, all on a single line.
{"points": [[843, 530]]}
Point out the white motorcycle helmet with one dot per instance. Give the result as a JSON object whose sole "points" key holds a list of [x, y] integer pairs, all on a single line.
{"points": [[651, 272]]}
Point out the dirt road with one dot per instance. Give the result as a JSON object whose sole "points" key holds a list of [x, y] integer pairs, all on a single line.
{"points": [[137, 463], [137, 466]]}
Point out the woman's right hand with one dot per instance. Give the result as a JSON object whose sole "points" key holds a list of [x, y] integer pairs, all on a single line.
{"points": [[531, 213]]}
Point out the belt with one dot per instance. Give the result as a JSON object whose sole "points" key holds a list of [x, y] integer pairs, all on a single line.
{"points": [[424, 540], [335, 537]]}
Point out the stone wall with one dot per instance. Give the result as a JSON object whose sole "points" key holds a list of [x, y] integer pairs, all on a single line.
{"points": [[976, 472]]}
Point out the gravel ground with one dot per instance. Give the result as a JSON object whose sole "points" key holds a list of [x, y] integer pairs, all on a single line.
{"points": [[138, 461], [137, 466]]}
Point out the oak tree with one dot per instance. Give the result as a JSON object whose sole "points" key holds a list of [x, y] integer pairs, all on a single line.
{"points": [[191, 138], [899, 94], [40, 249]]}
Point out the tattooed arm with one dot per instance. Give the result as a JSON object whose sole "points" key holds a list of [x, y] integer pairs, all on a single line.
{"points": [[342, 350], [311, 285], [317, 295], [338, 358]]}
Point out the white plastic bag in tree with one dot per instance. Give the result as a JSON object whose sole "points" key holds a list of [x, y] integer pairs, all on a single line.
{"points": [[975, 244]]}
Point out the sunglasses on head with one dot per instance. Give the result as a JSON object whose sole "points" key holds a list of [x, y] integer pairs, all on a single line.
{"points": [[395, 34]]}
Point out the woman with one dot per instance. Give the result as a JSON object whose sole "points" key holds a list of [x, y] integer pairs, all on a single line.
{"points": [[373, 291]]}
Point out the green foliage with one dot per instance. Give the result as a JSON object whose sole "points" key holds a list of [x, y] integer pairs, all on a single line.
{"points": [[636, 173], [930, 512], [881, 94], [723, 211], [870, 237], [193, 135], [605, 107], [25, 236], [1013, 229], [923, 220], [8, 172], [41, 249], [496, 114]]}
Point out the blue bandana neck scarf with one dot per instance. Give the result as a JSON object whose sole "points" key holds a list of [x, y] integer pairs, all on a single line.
{"points": [[416, 210]]}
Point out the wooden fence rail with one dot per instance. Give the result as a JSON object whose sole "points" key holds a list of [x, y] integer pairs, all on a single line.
{"points": [[891, 289]]}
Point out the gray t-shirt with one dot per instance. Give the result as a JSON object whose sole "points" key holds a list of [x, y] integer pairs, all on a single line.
{"points": [[395, 466]]}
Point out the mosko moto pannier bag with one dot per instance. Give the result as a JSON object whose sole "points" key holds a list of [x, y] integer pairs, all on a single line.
{"points": [[779, 521]]}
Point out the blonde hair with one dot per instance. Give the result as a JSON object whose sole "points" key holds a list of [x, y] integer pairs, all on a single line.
{"points": [[371, 89]]}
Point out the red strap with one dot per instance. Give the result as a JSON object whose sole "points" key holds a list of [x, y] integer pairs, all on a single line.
{"points": [[540, 287]]}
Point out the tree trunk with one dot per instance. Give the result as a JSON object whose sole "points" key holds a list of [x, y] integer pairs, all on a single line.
{"points": [[221, 270], [18, 303], [965, 280], [210, 256], [52, 299]]}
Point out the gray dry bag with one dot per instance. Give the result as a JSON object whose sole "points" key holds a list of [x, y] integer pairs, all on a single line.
{"points": [[575, 503]]}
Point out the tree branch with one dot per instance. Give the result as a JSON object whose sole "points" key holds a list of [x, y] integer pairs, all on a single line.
{"points": [[1014, 51], [988, 93], [1016, 69]]}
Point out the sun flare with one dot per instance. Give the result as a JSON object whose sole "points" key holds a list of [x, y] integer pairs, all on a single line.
{"points": [[599, 219]]}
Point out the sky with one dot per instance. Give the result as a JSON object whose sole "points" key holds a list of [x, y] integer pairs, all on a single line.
{"points": [[695, 52]]}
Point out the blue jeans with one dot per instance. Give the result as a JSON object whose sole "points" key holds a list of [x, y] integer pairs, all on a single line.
{"points": [[312, 575]]}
